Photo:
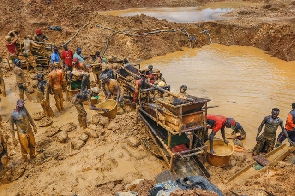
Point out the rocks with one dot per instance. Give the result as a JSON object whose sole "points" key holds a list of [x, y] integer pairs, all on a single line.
{"points": [[133, 142], [77, 144], [62, 136], [91, 133], [84, 137], [51, 131], [68, 127], [98, 119]]}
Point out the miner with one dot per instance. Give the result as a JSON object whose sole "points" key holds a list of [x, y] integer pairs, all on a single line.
{"points": [[23, 121], [112, 88], [43, 95], [79, 98], [11, 40], [21, 80], [266, 141], [55, 80], [39, 36], [30, 58], [216, 123]]}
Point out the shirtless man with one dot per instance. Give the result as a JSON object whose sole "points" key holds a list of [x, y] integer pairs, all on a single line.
{"points": [[55, 80], [31, 60], [21, 80], [11, 44], [266, 141], [112, 88], [23, 121]]}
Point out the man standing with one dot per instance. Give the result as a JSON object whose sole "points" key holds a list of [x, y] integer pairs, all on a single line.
{"points": [[79, 98], [216, 123], [54, 58], [30, 59], [289, 131], [43, 95], [79, 56], [21, 118], [67, 58], [55, 79], [266, 141], [21, 80], [2, 84], [11, 44]]}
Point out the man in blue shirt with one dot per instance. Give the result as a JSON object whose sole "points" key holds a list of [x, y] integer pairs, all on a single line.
{"points": [[79, 56], [54, 58]]}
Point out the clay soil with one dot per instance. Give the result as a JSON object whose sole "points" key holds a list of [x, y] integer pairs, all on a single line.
{"points": [[117, 152]]}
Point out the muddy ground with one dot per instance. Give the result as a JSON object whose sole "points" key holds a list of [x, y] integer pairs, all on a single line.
{"points": [[116, 154]]}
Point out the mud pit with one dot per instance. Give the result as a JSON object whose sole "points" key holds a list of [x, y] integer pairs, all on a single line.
{"points": [[114, 155]]}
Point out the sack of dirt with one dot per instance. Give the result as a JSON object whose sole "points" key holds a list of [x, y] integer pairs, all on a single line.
{"points": [[91, 133], [68, 127], [51, 131], [62, 136], [77, 144]]}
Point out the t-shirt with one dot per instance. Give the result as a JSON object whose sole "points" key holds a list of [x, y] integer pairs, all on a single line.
{"points": [[216, 122], [54, 58], [79, 57], [11, 48], [67, 56], [55, 78]]}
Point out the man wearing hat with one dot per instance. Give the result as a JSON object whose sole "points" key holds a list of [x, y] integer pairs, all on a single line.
{"points": [[216, 123], [289, 131], [39, 36], [23, 121], [79, 56], [55, 80], [79, 98], [20, 80], [43, 95], [266, 141]]}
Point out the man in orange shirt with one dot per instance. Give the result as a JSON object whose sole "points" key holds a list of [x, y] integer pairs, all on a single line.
{"points": [[55, 79], [216, 123], [289, 131]]}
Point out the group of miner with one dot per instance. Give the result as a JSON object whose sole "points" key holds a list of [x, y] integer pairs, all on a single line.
{"points": [[66, 66]]}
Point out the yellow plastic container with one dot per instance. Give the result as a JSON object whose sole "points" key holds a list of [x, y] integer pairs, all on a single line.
{"points": [[109, 104], [222, 153]]}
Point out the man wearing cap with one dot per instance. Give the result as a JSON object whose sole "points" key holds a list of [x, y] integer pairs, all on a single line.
{"points": [[79, 56], [21, 80], [67, 58], [30, 59], [43, 95], [79, 98], [266, 141], [54, 58], [23, 121], [289, 131], [216, 123], [55, 80], [112, 88], [11, 44], [39, 36]]}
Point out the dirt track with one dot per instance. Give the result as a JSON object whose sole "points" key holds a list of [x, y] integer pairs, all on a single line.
{"points": [[269, 27]]}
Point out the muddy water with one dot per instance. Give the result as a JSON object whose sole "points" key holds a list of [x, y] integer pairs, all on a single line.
{"points": [[244, 82], [179, 14]]}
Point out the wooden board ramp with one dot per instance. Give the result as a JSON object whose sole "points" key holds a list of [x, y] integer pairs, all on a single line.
{"points": [[276, 155]]}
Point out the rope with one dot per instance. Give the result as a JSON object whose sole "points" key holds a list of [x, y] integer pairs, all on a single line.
{"points": [[76, 34]]}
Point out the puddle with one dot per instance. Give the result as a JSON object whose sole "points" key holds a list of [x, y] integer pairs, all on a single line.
{"points": [[179, 14], [244, 82]]}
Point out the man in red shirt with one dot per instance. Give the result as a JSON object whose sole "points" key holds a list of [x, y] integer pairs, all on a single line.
{"points": [[289, 131], [10, 44], [67, 58], [216, 123]]}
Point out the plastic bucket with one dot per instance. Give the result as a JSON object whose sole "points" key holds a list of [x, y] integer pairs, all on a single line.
{"points": [[109, 104], [222, 153]]}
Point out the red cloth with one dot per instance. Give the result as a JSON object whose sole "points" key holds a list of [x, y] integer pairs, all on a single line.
{"points": [[219, 122], [179, 148], [11, 48], [67, 56]]}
